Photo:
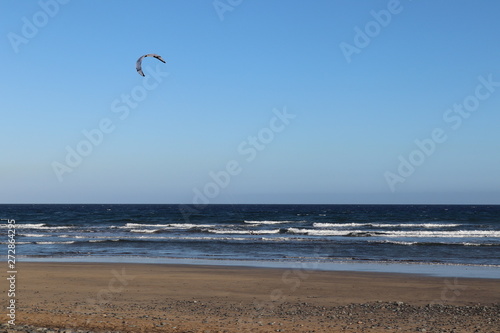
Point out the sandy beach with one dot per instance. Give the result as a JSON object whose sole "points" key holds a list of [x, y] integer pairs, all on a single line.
{"points": [[188, 298]]}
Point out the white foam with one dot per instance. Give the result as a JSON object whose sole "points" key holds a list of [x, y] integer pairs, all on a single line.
{"points": [[245, 232], [139, 225], [339, 225], [315, 232], [417, 225], [167, 226], [189, 226], [439, 243], [268, 222], [445, 234], [37, 226], [386, 225], [397, 243], [24, 226], [416, 233], [147, 231], [50, 243], [277, 239], [34, 235]]}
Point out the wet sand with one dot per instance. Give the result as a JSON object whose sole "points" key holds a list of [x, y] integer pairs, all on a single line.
{"points": [[189, 298]]}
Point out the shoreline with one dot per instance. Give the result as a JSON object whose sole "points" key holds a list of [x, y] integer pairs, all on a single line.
{"points": [[127, 297], [416, 268]]}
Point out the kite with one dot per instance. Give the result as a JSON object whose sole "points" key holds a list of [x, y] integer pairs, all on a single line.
{"points": [[138, 64]]}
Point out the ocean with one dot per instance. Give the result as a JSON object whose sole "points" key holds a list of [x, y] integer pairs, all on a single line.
{"points": [[463, 235]]}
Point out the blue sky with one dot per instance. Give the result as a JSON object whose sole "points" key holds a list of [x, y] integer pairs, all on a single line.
{"points": [[259, 102]]}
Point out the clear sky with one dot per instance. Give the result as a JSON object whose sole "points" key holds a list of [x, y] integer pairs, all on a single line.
{"points": [[259, 101]]}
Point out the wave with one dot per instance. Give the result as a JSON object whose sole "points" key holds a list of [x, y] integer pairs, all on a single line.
{"points": [[270, 222], [286, 239], [139, 225], [434, 243], [419, 233], [24, 226], [53, 228], [315, 232], [52, 243], [34, 235], [170, 225], [450, 234], [189, 226], [145, 239], [386, 225], [245, 232], [147, 231], [187, 238], [396, 243], [36, 226]]}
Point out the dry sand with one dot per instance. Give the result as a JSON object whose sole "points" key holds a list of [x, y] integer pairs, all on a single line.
{"points": [[189, 298]]}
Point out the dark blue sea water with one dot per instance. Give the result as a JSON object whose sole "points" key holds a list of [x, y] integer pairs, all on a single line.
{"points": [[445, 234]]}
